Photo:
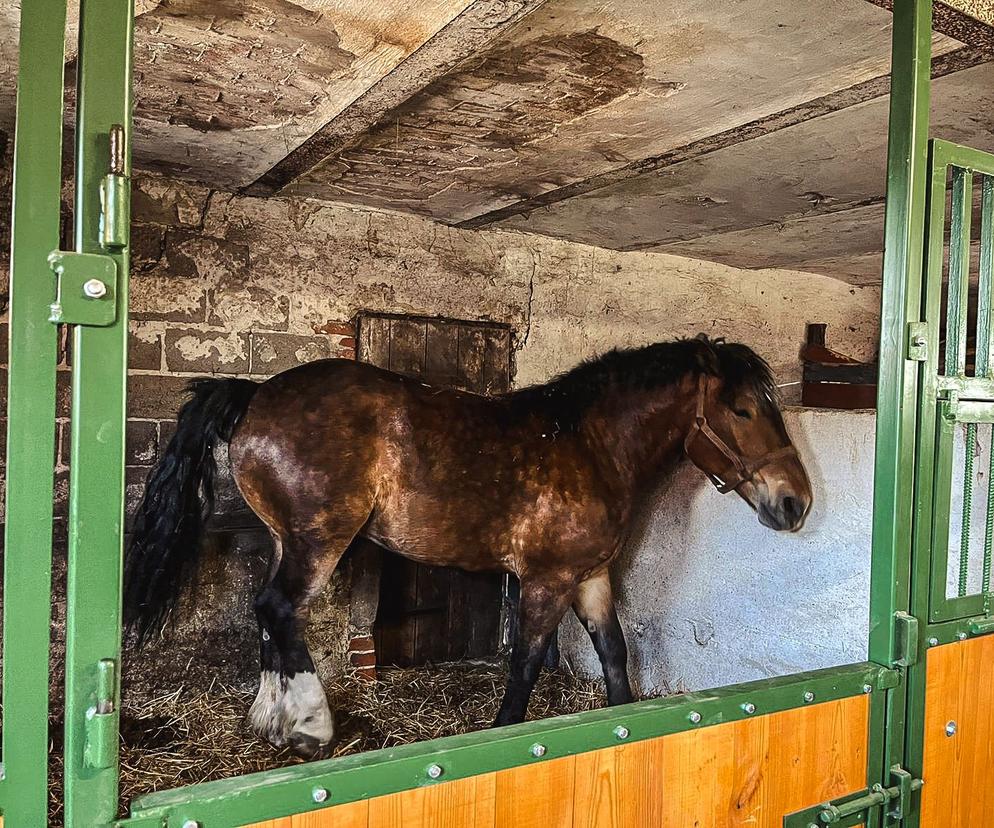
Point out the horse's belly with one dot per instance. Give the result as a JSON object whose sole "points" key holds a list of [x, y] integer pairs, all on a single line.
{"points": [[435, 545]]}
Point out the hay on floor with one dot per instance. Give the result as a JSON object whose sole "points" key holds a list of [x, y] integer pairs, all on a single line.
{"points": [[183, 737]]}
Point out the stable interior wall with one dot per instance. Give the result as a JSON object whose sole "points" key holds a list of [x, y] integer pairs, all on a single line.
{"points": [[226, 284]]}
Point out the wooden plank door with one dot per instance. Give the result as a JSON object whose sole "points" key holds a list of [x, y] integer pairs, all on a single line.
{"points": [[428, 613]]}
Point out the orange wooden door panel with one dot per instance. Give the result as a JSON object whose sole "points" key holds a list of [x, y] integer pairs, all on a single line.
{"points": [[744, 774], [351, 815], [466, 803], [959, 783], [747, 773], [536, 796]]}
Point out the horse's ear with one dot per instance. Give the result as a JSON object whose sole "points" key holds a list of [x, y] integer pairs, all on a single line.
{"points": [[707, 358]]}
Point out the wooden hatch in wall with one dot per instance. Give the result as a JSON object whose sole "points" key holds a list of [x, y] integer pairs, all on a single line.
{"points": [[428, 613]]}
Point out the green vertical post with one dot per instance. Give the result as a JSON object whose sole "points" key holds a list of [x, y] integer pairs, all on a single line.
{"points": [[985, 292], [31, 413], [893, 501], [969, 447], [959, 272], [96, 505]]}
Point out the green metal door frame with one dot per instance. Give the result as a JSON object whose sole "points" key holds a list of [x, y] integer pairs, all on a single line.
{"points": [[86, 288], [900, 375], [31, 414], [99, 379], [97, 485]]}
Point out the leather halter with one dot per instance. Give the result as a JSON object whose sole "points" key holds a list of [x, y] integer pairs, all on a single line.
{"points": [[742, 470]]}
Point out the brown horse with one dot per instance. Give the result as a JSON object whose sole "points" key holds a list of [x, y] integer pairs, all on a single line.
{"points": [[543, 483]]}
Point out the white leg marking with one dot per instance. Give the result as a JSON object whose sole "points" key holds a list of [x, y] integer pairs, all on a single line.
{"points": [[289, 707], [263, 715]]}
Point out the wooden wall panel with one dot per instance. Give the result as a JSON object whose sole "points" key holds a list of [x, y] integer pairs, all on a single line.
{"points": [[959, 784], [536, 796], [744, 774], [466, 803]]}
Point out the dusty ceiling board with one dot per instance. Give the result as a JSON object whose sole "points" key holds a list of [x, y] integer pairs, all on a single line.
{"points": [[577, 89], [841, 244], [942, 65], [474, 29], [225, 88], [819, 166], [981, 9], [971, 24]]}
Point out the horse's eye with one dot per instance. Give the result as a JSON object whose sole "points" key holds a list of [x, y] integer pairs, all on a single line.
{"points": [[741, 412]]}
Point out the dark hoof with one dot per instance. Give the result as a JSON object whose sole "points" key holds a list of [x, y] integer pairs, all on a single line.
{"points": [[309, 748]]}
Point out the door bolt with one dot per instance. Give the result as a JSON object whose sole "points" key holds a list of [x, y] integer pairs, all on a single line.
{"points": [[94, 289]]}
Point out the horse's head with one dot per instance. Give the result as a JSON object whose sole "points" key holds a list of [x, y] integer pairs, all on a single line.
{"points": [[738, 439]]}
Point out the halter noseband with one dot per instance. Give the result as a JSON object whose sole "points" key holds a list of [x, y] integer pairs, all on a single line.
{"points": [[743, 471]]}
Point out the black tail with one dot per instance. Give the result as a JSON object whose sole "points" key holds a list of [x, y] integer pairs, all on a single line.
{"points": [[178, 499]]}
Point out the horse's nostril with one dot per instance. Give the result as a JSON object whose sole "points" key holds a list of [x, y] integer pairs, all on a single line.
{"points": [[791, 507]]}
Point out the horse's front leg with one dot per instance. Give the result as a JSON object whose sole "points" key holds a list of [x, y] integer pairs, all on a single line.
{"points": [[541, 607], [594, 606]]}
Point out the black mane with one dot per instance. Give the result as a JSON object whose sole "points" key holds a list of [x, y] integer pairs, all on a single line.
{"points": [[568, 395]]}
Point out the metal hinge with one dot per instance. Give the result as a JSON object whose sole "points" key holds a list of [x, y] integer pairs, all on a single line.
{"points": [[101, 744], [854, 809], [86, 292], [918, 341], [905, 639]]}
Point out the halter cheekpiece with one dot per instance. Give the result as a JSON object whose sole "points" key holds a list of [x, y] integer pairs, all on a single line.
{"points": [[742, 470]]}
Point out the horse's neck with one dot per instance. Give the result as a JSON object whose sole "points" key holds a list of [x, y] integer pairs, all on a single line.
{"points": [[638, 436]]}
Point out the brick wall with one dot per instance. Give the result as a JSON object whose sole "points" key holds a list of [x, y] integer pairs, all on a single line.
{"points": [[237, 326]]}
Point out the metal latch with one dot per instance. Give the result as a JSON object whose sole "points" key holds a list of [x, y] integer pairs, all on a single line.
{"points": [[854, 809], [905, 639], [918, 341], [86, 289], [101, 745]]}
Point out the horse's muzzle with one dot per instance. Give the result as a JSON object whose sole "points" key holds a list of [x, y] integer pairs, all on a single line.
{"points": [[786, 514]]}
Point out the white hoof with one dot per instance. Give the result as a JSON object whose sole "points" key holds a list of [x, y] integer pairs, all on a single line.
{"points": [[293, 711]]}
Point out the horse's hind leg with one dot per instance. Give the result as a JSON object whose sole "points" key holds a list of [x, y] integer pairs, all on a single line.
{"points": [[594, 606], [291, 707], [542, 604]]}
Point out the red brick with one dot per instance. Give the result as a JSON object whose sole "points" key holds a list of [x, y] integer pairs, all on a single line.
{"points": [[226, 353], [362, 644], [141, 443], [346, 342], [276, 352], [155, 396], [144, 355], [362, 659], [366, 673], [336, 328], [167, 428]]}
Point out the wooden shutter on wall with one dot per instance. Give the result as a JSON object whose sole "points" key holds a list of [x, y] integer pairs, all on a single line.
{"points": [[426, 613]]}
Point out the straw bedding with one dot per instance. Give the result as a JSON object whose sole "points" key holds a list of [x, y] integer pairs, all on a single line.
{"points": [[186, 736]]}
